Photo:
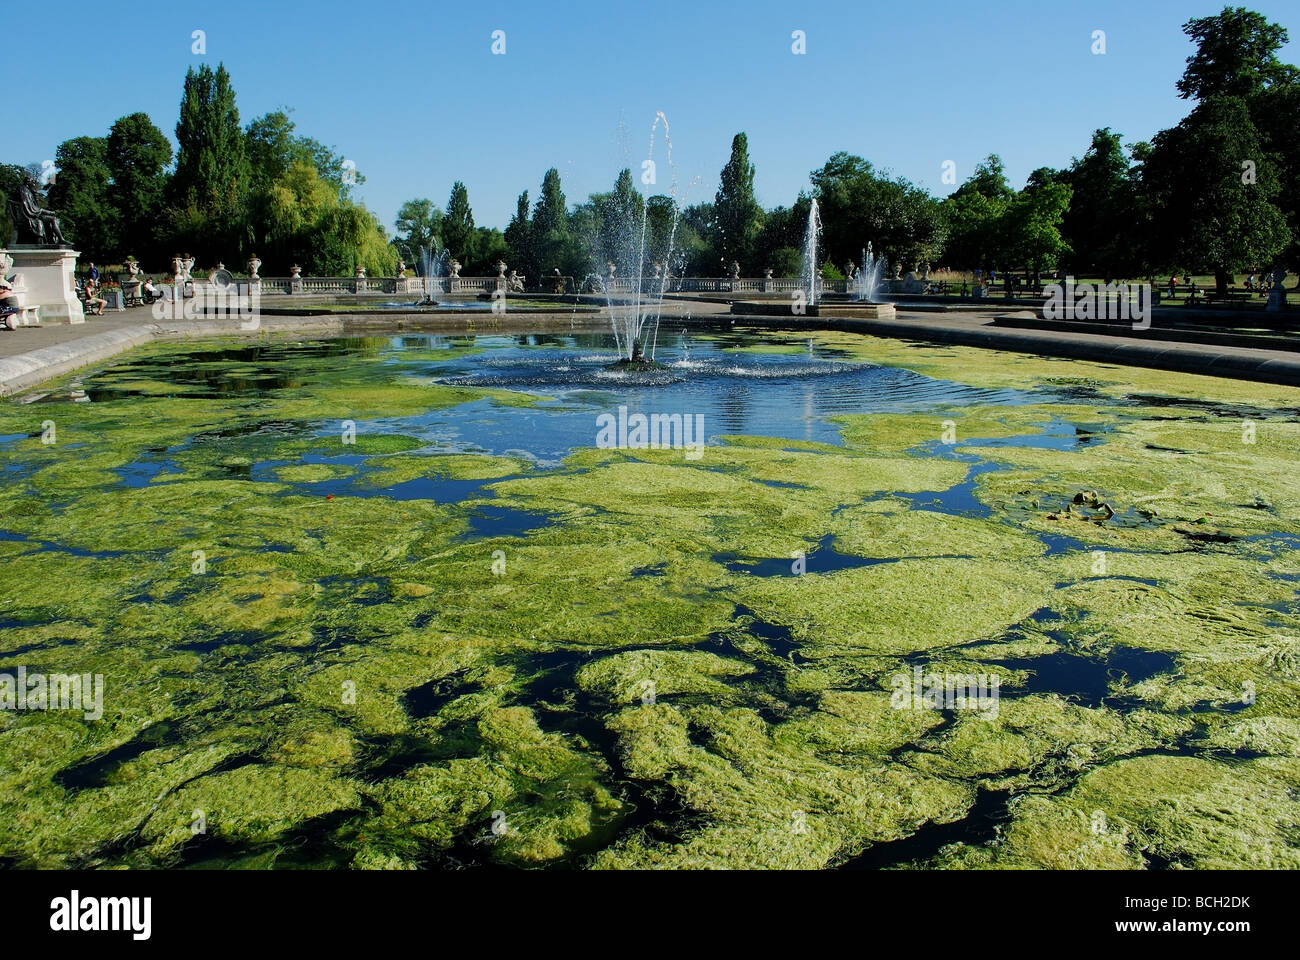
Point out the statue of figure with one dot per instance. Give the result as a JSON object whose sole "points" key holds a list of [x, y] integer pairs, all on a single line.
{"points": [[178, 271], [515, 283], [612, 268], [40, 223], [735, 270], [188, 265], [401, 268]]}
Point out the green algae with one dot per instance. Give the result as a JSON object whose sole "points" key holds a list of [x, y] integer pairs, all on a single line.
{"points": [[361, 671]]}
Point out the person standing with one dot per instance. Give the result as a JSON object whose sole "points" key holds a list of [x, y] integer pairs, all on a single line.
{"points": [[94, 273]]}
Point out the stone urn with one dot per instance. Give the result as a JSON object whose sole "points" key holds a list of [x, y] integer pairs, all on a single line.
{"points": [[253, 265], [455, 268], [401, 268], [611, 269], [1277, 292], [131, 285], [295, 279]]}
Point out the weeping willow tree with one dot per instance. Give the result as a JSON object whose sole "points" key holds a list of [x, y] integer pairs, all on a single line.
{"points": [[303, 219]]}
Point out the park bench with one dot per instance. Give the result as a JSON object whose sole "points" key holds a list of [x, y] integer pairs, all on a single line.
{"points": [[15, 312]]}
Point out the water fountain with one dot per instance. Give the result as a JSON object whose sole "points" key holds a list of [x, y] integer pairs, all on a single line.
{"points": [[634, 316], [866, 281], [808, 266], [432, 263]]}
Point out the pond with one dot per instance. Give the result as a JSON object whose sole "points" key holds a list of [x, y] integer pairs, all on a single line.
{"points": [[440, 601]]}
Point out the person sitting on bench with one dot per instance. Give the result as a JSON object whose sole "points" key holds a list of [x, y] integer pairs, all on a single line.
{"points": [[93, 299]]}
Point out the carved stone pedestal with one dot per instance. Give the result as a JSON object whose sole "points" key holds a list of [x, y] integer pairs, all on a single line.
{"points": [[48, 273]]}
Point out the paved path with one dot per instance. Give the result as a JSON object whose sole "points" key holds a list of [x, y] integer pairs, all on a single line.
{"points": [[30, 355]]}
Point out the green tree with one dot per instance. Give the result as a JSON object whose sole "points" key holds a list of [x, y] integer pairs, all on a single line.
{"points": [[1029, 230], [210, 186], [900, 220], [458, 224], [621, 222], [1101, 225], [1235, 55], [552, 242], [519, 239], [737, 215], [1207, 214], [419, 225], [80, 195], [138, 155]]}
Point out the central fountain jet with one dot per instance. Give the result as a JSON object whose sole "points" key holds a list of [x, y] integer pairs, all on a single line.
{"points": [[633, 299]]}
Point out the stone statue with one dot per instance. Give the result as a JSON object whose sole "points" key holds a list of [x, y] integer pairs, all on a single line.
{"points": [[401, 268], [178, 269], [455, 268], [253, 265], [735, 270], [515, 283], [34, 220], [188, 264]]}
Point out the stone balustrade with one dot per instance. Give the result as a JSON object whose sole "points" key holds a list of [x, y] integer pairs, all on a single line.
{"points": [[476, 286]]}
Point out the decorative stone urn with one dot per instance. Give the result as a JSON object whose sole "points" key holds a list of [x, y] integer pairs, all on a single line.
{"points": [[767, 279], [131, 285], [455, 268], [254, 281], [295, 279], [1277, 292], [361, 285], [612, 268]]}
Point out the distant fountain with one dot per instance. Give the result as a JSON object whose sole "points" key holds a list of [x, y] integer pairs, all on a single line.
{"points": [[808, 270], [634, 299], [866, 280], [432, 264]]}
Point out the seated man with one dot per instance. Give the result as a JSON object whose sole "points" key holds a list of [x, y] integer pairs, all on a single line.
{"points": [[94, 302]]}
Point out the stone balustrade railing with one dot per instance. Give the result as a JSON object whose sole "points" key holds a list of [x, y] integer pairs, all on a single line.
{"points": [[476, 286]]}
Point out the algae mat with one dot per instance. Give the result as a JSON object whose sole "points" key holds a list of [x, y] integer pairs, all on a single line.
{"points": [[385, 603]]}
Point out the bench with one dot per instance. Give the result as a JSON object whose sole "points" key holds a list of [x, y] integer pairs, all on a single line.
{"points": [[16, 312]]}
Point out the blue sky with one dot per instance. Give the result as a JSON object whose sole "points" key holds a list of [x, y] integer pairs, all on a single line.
{"points": [[415, 97]]}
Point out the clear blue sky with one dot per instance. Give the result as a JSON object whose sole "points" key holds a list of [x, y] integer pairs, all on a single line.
{"points": [[417, 100]]}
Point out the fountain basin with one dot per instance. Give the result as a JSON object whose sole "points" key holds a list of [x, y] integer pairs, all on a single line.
{"points": [[778, 308]]}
